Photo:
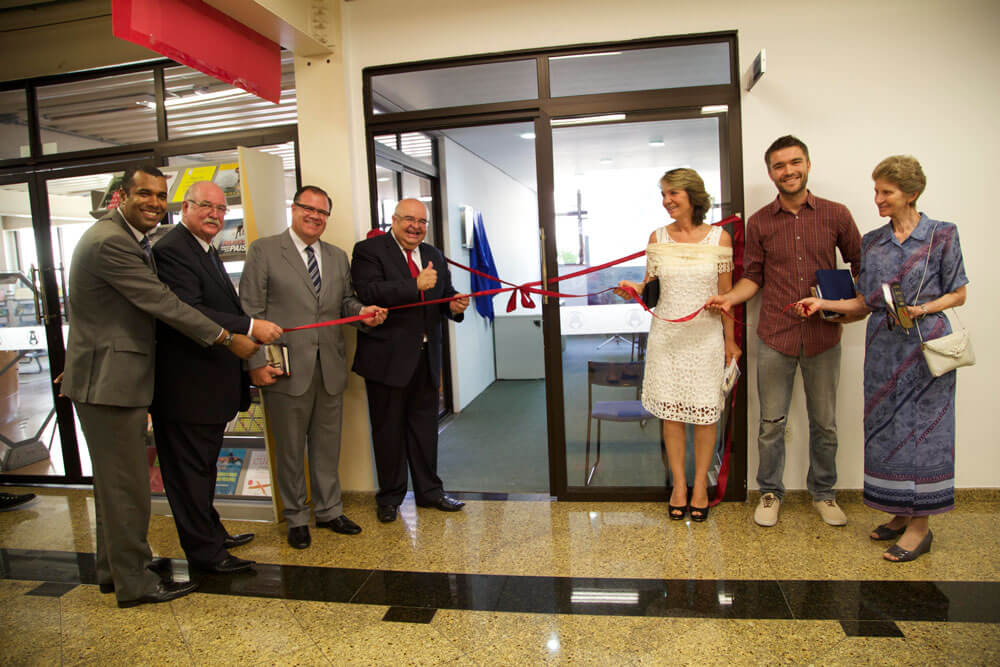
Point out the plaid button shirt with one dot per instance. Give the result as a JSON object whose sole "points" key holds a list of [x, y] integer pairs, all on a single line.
{"points": [[783, 252]]}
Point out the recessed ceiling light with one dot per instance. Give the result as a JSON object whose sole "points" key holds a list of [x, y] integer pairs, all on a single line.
{"points": [[656, 142], [607, 160], [527, 135]]}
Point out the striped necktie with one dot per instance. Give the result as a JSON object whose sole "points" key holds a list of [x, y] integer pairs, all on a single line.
{"points": [[313, 268], [148, 249]]}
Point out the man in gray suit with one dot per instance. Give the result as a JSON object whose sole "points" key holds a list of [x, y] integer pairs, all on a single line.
{"points": [[116, 298], [295, 278]]}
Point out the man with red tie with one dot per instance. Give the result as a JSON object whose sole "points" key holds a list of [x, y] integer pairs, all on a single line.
{"points": [[401, 360]]}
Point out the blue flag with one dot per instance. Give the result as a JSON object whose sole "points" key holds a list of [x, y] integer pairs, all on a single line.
{"points": [[481, 259]]}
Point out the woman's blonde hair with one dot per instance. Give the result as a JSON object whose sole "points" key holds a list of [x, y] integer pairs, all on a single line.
{"points": [[904, 172], [690, 182]]}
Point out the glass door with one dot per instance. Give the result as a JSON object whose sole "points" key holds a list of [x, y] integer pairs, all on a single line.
{"points": [[606, 172], [32, 310]]}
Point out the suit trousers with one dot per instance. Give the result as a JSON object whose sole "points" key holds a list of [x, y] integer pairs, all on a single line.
{"points": [[189, 455], [404, 429], [310, 422], [116, 440]]}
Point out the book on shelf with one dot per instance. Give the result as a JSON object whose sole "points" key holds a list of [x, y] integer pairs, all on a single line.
{"points": [[834, 285], [258, 478], [229, 466]]}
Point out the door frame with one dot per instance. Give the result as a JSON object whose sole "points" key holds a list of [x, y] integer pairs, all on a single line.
{"points": [[540, 111]]}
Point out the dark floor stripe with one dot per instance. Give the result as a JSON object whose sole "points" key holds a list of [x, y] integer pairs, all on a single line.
{"points": [[871, 629], [51, 589], [943, 601], [409, 615]]}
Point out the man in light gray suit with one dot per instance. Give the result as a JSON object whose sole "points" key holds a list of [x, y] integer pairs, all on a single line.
{"points": [[294, 278], [116, 298]]}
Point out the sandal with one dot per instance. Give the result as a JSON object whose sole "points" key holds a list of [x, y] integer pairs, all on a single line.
{"points": [[677, 512], [904, 556], [884, 532], [699, 514]]}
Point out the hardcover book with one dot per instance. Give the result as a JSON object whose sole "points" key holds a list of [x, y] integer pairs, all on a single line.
{"points": [[834, 285]]}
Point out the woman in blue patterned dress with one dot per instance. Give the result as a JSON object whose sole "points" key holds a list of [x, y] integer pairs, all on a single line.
{"points": [[909, 415]]}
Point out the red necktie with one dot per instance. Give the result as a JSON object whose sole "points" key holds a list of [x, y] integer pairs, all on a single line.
{"points": [[414, 271]]}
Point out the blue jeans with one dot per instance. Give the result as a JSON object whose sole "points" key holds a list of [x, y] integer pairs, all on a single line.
{"points": [[775, 378]]}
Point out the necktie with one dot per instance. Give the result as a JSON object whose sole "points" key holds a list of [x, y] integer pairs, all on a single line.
{"points": [[148, 249], [313, 268], [218, 263], [414, 271]]}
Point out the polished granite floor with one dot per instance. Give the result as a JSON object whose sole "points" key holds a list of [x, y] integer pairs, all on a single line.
{"points": [[521, 581]]}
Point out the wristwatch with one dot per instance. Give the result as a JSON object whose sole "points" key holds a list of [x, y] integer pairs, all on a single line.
{"points": [[228, 340]]}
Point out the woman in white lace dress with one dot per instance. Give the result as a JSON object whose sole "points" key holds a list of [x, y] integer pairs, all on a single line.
{"points": [[685, 361]]}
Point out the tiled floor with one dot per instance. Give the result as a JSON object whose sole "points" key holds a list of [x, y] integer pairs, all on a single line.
{"points": [[519, 582]]}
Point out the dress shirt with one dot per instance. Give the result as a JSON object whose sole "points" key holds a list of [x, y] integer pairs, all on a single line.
{"points": [[301, 246], [783, 252]]}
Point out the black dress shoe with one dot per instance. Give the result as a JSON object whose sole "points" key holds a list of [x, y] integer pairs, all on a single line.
{"points": [[341, 525], [298, 537], [445, 503], [228, 565], [164, 592], [386, 513], [107, 588], [233, 541]]}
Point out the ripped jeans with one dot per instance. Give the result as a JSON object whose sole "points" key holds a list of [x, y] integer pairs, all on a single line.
{"points": [[775, 379]]}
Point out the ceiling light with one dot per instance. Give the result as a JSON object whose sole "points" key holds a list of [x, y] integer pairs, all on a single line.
{"points": [[607, 160], [600, 596], [587, 55], [384, 179], [584, 120], [527, 135], [715, 108], [656, 142]]}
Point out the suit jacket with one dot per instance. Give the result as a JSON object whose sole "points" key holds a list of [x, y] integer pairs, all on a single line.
{"points": [[275, 286], [115, 299], [389, 353], [196, 384]]}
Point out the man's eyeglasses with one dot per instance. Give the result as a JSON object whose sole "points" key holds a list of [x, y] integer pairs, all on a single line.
{"points": [[409, 219], [311, 209], [219, 208]]}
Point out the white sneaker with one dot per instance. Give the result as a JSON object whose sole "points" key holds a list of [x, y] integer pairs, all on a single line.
{"points": [[766, 513], [831, 512]]}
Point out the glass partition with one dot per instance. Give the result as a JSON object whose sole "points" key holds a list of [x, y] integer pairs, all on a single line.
{"points": [[455, 86]]}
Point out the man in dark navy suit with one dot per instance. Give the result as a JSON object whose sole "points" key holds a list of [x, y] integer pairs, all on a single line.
{"points": [[401, 360], [198, 390]]}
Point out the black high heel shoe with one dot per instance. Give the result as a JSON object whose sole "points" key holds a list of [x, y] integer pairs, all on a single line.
{"points": [[676, 512], [699, 514]]}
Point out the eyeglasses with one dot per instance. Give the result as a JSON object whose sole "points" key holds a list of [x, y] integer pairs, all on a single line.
{"points": [[219, 208], [310, 209], [409, 219]]}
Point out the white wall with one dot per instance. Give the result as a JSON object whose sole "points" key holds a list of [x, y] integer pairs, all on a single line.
{"points": [[510, 217], [856, 80]]}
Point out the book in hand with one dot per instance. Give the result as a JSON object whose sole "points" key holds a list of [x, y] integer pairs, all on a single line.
{"points": [[277, 357], [834, 285], [895, 304]]}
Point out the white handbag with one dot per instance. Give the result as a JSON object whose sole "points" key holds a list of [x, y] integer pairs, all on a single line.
{"points": [[948, 352]]}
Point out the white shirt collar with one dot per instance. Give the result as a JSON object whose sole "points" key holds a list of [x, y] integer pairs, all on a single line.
{"points": [[139, 236], [415, 252], [204, 246]]}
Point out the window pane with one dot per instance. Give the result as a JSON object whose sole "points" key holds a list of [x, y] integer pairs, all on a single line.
{"points": [[97, 113], [640, 69], [455, 86], [198, 104], [13, 125]]}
